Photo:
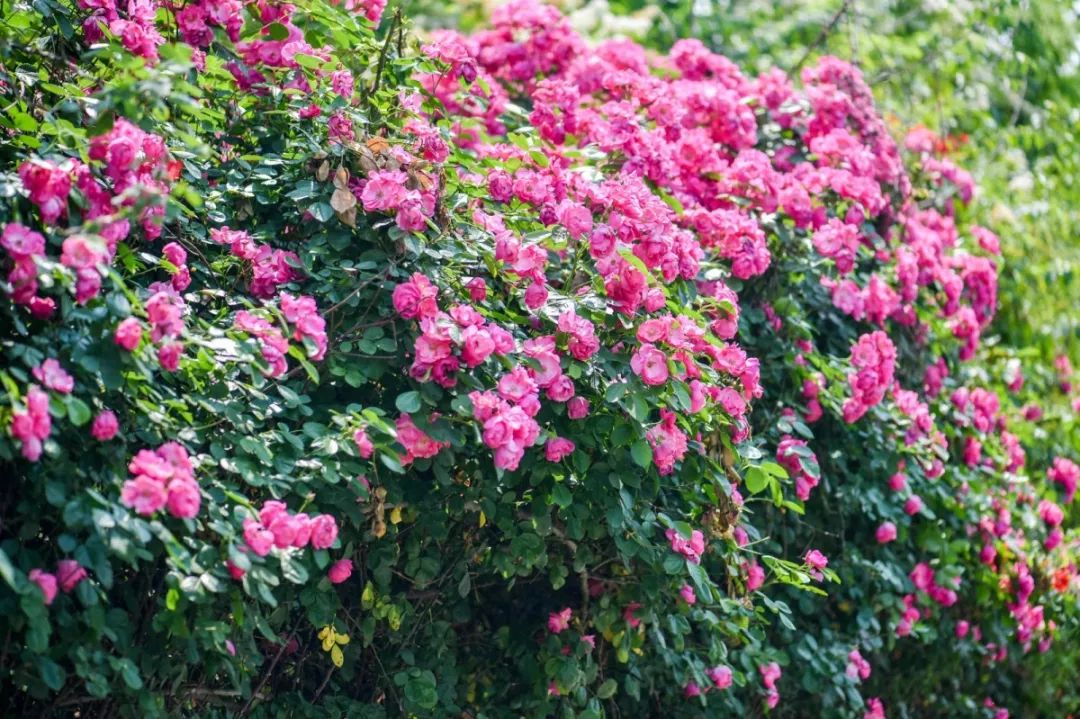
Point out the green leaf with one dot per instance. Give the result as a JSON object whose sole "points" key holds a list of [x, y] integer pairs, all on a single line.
{"points": [[321, 211], [7, 571], [292, 569], [130, 673], [642, 453], [420, 689], [277, 31], [408, 402], [77, 410], [52, 673], [562, 496], [756, 479], [607, 689], [308, 61]]}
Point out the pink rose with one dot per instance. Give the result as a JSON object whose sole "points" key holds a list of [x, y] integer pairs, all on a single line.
{"points": [[558, 448], [105, 426], [516, 384], [720, 676], [687, 594], [363, 443], [128, 334], [184, 499], [340, 571], [575, 218], [477, 289], [144, 494], [817, 562], [53, 376], [913, 505], [497, 431], [477, 346], [21, 242], [169, 356], [559, 621], [303, 530], [577, 408], [258, 538], [324, 531], [755, 576], [284, 527], [561, 389], [886, 533], [536, 295], [46, 582], [650, 364], [69, 573]]}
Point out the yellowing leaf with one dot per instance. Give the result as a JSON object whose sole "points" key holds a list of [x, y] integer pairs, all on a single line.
{"points": [[342, 200], [395, 515], [341, 178], [483, 518], [337, 657], [368, 596], [342, 639], [348, 217]]}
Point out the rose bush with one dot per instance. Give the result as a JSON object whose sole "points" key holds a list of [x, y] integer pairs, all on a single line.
{"points": [[504, 375]]}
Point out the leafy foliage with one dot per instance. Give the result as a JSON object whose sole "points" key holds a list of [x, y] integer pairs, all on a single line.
{"points": [[504, 376]]}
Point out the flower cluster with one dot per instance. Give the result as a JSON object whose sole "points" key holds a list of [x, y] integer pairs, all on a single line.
{"points": [[801, 464], [277, 527], [162, 478], [308, 325], [33, 425], [67, 576], [270, 268], [691, 547], [874, 358], [272, 343], [25, 247], [462, 329]]}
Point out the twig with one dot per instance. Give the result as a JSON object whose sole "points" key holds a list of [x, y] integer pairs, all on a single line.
{"points": [[325, 681], [265, 677], [384, 51], [821, 37]]}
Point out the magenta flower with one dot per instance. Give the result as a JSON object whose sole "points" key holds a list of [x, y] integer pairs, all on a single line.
{"points": [[324, 531], [363, 443], [559, 621], [53, 376], [105, 426], [46, 582], [69, 573], [720, 676], [128, 334], [558, 448], [885, 533], [340, 571]]}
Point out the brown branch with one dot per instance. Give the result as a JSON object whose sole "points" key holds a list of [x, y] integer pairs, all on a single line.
{"points": [[265, 677], [822, 36]]}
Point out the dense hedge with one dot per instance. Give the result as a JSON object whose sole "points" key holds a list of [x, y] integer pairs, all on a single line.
{"points": [[502, 375]]}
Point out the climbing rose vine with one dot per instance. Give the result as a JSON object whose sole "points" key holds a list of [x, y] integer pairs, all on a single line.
{"points": [[504, 374]]}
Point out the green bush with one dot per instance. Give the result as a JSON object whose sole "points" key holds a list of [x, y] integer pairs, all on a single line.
{"points": [[506, 376]]}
